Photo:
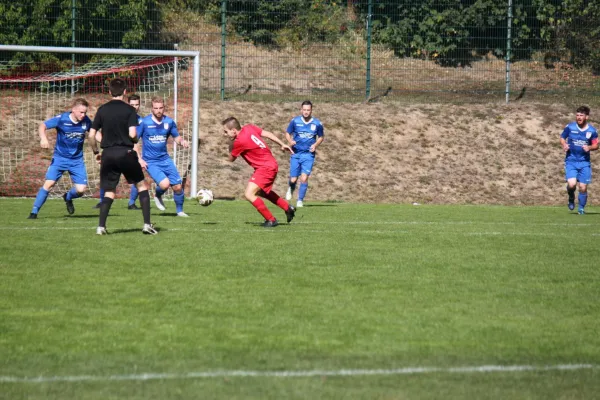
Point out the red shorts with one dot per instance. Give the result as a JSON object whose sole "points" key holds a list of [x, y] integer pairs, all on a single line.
{"points": [[264, 178]]}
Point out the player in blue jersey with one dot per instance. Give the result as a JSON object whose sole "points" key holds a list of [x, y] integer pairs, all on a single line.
{"points": [[577, 140], [71, 128], [134, 101], [304, 134], [154, 132]]}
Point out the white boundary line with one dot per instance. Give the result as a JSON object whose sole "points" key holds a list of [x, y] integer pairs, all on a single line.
{"points": [[299, 374]]}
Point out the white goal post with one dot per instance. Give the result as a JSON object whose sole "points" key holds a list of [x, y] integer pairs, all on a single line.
{"points": [[31, 93]]}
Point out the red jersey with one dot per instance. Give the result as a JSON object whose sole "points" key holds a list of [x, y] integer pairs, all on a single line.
{"points": [[250, 146]]}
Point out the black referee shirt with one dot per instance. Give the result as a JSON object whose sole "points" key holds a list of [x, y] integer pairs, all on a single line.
{"points": [[115, 118]]}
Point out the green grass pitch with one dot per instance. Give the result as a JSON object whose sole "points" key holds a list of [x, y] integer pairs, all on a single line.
{"points": [[348, 301]]}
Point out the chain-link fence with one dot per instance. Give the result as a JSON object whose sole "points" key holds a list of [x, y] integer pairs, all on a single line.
{"points": [[348, 50]]}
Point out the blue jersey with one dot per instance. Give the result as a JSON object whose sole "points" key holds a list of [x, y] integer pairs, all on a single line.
{"points": [[69, 135], [304, 133], [576, 139], [154, 136]]}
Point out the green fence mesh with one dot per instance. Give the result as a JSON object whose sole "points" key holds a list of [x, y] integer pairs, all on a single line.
{"points": [[348, 50]]}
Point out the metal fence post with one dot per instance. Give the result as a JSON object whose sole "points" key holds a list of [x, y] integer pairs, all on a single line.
{"points": [[368, 72], [223, 45], [508, 40]]}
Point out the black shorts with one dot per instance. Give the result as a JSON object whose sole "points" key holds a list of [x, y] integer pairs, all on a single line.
{"points": [[117, 161]]}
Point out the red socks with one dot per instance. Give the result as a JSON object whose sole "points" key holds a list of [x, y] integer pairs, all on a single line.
{"points": [[259, 204]]}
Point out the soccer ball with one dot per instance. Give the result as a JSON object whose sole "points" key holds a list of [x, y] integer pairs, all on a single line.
{"points": [[204, 197]]}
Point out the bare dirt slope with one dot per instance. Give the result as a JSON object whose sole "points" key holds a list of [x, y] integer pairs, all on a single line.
{"points": [[398, 153]]}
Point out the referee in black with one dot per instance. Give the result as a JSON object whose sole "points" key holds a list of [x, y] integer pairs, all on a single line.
{"points": [[118, 122]]}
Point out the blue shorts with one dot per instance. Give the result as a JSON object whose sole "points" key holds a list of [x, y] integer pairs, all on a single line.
{"points": [[75, 168], [582, 170], [301, 163], [160, 170]]}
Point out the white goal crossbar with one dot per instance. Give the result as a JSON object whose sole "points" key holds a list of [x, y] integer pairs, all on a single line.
{"points": [[139, 52]]}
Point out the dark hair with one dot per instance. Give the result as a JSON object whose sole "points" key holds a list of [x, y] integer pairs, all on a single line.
{"points": [[232, 123], [584, 110], [306, 103], [117, 87], [80, 101], [133, 97]]}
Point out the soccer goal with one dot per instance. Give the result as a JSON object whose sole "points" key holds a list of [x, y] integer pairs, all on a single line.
{"points": [[35, 87]]}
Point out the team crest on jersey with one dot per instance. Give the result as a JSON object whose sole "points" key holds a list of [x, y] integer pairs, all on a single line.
{"points": [[84, 126], [588, 135], [313, 127], [166, 126]]}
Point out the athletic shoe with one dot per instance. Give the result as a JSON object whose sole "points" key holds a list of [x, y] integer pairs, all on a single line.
{"points": [[288, 194], [69, 203], [182, 214], [148, 229], [571, 206], [101, 231], [270, 224], [32, 216], [290, 214], [580, 211], [299, 204], [159, 203], [98, 205], [133, 207]]}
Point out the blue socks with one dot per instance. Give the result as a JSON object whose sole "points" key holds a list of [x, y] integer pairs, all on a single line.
{"points": [[40, 199], [133, 195], [102, 191], [302, 191], [72, 194], [179, 198], [582, 200], [159, 192]]}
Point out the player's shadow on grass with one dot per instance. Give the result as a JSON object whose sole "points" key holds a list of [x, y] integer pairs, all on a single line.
{"points": [[82, 216], [587, 213], [132, 230], [320, 205]]}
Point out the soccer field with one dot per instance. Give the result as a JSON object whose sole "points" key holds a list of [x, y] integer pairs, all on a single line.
{"points": [[348, 301]]}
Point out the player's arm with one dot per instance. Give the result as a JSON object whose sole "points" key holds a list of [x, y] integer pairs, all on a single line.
{"points": [[289, 139], [231, 158], [133, 133], [320, 139], [563, 138], [43, 138], [593, 146], [273, 138]]}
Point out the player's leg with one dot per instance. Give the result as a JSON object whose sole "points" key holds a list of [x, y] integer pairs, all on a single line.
{"points": [[306, 165], [175, 182], [294, 173], [251, 194], [584, 177], [571, 178], [110, 173], [53, 174], [79, 178], [135, 175], [42, 196], [102, 191], [162, 184], [133, 195]]}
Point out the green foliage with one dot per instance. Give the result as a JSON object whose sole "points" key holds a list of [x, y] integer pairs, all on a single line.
{"points": [[103, 23]]}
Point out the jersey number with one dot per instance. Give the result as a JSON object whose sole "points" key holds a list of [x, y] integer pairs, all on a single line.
{"points": [[258, 142]]}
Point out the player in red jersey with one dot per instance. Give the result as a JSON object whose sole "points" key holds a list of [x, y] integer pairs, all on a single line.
{"points": [[247, 142]]}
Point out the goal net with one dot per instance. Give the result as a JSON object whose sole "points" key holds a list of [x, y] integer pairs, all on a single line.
{"points": [[32, 92]]}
